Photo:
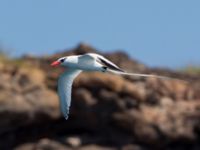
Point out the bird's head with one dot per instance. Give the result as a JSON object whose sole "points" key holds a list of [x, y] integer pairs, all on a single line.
{"points": [[60, 62]]}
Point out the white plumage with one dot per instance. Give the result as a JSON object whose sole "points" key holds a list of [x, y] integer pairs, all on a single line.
{"points": [[64, 89], [86, 62]]}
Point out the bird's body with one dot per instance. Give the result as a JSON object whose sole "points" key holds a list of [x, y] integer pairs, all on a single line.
{"points": [[77, 64]]}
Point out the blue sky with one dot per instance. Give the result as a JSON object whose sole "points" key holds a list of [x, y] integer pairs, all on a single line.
{"points": [[158, 33]]}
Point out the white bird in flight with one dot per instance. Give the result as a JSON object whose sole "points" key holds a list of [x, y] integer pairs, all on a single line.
{"points": [[87, 62]]}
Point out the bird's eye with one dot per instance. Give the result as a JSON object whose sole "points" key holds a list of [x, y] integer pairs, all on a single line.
{"points": [[62, 60]]}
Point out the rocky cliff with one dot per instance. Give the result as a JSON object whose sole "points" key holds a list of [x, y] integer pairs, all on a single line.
{"points": [[107, 112]]}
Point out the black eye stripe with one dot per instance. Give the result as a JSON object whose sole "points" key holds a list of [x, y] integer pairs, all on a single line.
{"points": [[62, 60]]}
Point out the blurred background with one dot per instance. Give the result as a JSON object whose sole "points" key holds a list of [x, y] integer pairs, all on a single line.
{"points": [[153, 32], [108, 111]]}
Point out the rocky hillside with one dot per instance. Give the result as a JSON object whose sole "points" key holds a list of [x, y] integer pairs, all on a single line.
{"points": [[108, 112]]}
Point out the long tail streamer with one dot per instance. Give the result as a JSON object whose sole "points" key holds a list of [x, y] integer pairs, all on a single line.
{"points": [[145, 75]]}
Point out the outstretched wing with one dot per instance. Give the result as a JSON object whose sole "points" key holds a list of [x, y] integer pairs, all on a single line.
{"points": [[105, 62], [64, 89]]}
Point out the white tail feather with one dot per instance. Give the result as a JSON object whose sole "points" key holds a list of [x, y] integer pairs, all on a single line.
{"points": [[144, 75]]}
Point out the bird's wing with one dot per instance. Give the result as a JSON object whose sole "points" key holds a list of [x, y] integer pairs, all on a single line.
{"points": [[64, 89], [105, 62]]}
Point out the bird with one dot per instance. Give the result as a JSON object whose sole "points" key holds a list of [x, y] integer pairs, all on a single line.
{"points": [[75, 64]]}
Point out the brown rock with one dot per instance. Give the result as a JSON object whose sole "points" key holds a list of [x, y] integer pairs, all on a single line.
{"points": [[43, 144], [107, 111]]}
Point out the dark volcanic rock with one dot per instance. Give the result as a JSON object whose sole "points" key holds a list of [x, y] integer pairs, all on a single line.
{"points": [[107, 111]]}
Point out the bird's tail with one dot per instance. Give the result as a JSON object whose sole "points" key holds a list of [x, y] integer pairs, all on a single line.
{"points": [[144, 75]]}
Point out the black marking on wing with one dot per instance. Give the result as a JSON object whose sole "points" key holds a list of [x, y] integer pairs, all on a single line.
{"points": [[109, 65]]}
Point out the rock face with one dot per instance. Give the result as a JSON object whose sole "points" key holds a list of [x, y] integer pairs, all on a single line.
{"points": [[108, 112]]}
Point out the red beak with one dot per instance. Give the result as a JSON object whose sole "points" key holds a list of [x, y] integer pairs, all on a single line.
{"points": [[55, 63]]}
